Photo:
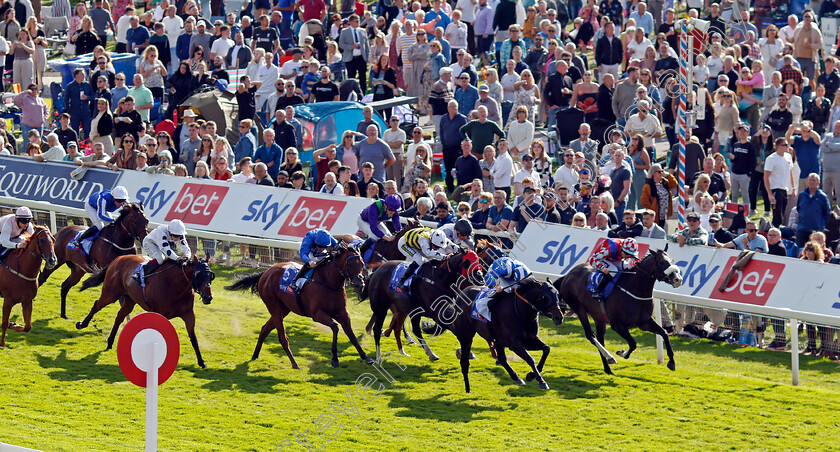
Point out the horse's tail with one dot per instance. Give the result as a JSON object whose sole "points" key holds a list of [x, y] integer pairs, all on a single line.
{"points": [[247, 282], [97, 279]]}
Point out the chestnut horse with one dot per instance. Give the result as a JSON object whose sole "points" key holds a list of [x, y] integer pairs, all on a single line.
{"points": [[169, 292], [115, 239], [18, 277], [323, 298]]}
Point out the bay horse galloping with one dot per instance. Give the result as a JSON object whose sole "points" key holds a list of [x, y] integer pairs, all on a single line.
{"points": [[18, 277], [515, 325], [169, 291], [115, 239], [323, 298], [629, 304]]}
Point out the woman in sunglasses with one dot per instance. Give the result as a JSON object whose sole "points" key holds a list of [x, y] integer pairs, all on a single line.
{"points": [[126, 157]]}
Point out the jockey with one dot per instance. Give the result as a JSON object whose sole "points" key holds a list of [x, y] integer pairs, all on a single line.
{"points": [[313, 249], [160, 245], [421, 244], [372, 219], [99, 207], [613, 255], [460, 233], [12, 228], [504, 273]]}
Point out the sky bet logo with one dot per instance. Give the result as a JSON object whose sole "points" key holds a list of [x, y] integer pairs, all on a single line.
{"points": [[195, 204], [752, 285], [311, 213]]}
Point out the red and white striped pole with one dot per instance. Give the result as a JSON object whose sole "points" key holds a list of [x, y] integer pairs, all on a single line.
{"points": [[681, 120]]}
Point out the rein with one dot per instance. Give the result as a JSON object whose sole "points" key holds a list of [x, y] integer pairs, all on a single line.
{"points": [[30, 240], [340, 271]]}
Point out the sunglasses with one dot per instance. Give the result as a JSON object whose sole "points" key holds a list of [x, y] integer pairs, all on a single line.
{"points": [[463, 210], [713, 220], [483, 201], [121, 79], [207, 140], [241, 127], [416, 133], [751, 230], [29, 220]]}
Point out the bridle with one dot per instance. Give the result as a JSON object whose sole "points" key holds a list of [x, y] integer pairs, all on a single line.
{"points": [[32, 239], [345, 275]]}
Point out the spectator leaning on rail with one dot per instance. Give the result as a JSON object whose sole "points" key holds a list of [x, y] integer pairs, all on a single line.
{"points": [[750, 240], [694, 234], [813, 208]]}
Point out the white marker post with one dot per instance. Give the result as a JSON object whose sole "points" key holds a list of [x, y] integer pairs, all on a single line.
{"points": [[148, 351]]}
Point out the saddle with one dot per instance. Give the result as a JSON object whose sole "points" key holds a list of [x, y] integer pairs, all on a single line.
{"points": [[86, 244], [397, 274]]}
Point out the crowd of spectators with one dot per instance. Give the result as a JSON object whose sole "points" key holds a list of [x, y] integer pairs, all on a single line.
{"points": [[491, 78]]}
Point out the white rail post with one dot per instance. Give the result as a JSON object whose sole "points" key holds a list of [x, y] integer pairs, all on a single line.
{"points": [[657, 315], [794, 351], [53, 225]]}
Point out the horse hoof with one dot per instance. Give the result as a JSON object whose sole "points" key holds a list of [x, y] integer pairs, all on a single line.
{"points": [[79, 325], [544, 386], [623, 354], [671, 365], [334, 363], [64, 316], [433, 357], [498, 363], [411, 341], [402, 352], [368, 360], [458, 353], [530, 376], [611, 360], [472, 355], [519, 381], [608, 372], [202, 365]]}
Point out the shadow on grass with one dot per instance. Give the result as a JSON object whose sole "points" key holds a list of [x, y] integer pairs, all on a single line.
{"points": [[236, 379], [463, 409], [86, 368], [40, 334]]}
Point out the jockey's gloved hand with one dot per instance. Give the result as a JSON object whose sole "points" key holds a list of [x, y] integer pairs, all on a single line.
{"points": [[21, 245]]}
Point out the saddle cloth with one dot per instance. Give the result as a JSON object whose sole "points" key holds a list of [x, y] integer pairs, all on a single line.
{"points": [[399, 271], [86, 243], [287, 278], [480, 310], [595, 278]]}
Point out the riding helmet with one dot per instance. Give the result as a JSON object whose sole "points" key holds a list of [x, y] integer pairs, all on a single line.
{"points": [[23, 212], [630, 247], [120, 193], [176, 227], [393, 202], [323, 238], [463, 227]]}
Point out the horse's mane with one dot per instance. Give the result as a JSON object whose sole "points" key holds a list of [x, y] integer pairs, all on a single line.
{"points": [[127, 210]]}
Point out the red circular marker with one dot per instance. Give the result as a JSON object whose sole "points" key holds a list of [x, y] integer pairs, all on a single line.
{"points": [[143, 330]]}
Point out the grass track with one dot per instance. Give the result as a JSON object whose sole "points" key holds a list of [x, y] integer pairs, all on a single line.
{"points": [[62, 391]]}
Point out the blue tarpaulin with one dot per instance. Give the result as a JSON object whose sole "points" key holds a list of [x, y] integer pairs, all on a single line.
{"points": [[123, 62]]}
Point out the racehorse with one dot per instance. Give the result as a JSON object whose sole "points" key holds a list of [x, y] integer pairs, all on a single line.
{"points": [[629, 304], [455, 272], [169, 291], [515, 325], [18, 277], [115, 239], [488, 251], [323, 298]]}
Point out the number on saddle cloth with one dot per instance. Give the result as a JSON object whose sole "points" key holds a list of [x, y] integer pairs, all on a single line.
{"points": [[288, 277], [397, 274], [86, 243]]}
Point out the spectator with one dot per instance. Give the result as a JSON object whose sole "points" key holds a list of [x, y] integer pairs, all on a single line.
{"points": [[830, 152], [77, 95], [529, 209], [469, 193], [419, 169], [718, 236], [395, 138], [350, 186], [34, 112], [621, 180], [813, 208], [649, 228], [444, 214], [368, 178], [325, 90], [481, 131], [502, 168], [142, 96], [322, 158], [806, 146], [450, 138], [261, 175], [694, 234], [778, 179], [750, 240], [331, 185], [717, 186], [466, 167], [630, 227], [269, 154], [374, 150]]}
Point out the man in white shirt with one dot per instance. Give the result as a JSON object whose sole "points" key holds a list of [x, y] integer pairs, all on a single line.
{"points": [[502, 168], [458, 66], [567, 175], [526, 171], [222, 45], [411, 151], [778, 179], [291, 68], [331, 185], [123, 24], [786, 33], [395, 137], [645, 124], [173, 25]]}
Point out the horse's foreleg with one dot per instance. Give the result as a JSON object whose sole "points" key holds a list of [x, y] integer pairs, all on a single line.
{"points": [[502, 360], [344, 321], [655, 328], [324, 318], [26, 307], [266, 329], [76, 275], [418, 331], [104, 300], [189, 323], [536, 343], [466, 347], [123, 312], [399, 319], [519, 349], [621, 330]]}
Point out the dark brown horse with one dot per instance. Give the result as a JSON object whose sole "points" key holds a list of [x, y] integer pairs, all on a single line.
{"points": [[169, 292], [515, 325], [457, 271], [17, 277], [115, 239], [629, 305], [323, 298]]}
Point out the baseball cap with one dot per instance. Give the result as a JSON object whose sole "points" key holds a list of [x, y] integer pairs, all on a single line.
{"points": [[693, 215], [527, 189], [283, 173], [188, 113], [742, 125], [550, 195], [72, 143], [714, 217], [527, 157], [484, 88]]}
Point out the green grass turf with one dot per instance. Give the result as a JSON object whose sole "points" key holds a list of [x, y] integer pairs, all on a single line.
{"points": [[62, 391]]}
